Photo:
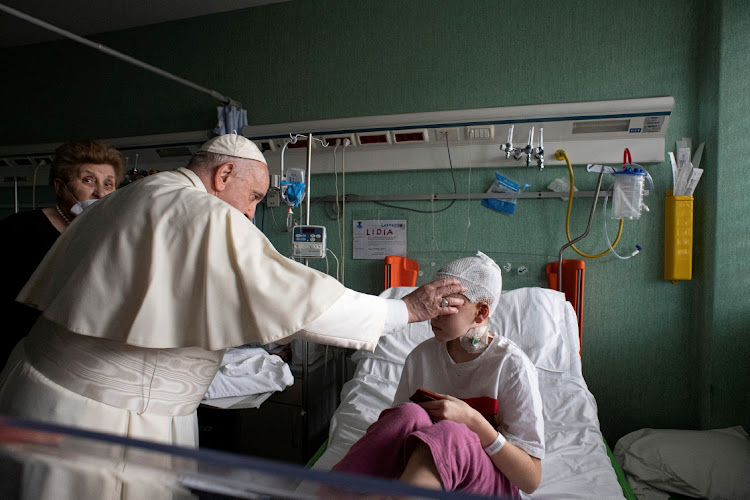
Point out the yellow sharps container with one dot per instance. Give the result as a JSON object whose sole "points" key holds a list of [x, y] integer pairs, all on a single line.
{"points": [[678, 237]]}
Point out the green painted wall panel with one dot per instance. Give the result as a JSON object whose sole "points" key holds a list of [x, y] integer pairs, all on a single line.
{"points": [[311, 60], [727, 371]]}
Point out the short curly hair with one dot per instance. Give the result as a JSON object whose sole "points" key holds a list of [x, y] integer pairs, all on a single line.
{"points": [[71, 155]]}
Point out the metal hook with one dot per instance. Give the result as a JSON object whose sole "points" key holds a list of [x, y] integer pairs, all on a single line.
{"points": [[322, 142], [586, 232]]}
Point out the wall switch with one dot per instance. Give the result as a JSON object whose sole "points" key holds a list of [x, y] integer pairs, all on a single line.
{"points": [[480, 132]]}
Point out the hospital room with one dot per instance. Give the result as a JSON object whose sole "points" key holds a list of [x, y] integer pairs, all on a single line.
{"points": [[591, 152]]}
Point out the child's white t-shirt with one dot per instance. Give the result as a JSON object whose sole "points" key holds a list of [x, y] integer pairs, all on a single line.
{"points": [[502, 372]]}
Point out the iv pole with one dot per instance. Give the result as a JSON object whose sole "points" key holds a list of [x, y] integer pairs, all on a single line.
{"points": [[305, 349]]}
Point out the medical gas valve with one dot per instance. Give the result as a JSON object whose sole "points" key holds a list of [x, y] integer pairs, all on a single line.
{"points": [[508, 147], [539, 150], [529, 150]]}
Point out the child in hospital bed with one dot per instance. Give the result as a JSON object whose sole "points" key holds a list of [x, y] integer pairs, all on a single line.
{"points": [[483, 432]]}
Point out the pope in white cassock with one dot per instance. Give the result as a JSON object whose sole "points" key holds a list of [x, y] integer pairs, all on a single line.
{"points": [[147, 288]]}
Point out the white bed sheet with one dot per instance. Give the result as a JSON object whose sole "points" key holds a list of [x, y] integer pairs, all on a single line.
{"points": [[576, 464], [247, 377]]}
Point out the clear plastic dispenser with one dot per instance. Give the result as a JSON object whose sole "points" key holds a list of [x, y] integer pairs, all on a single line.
{"points": [[627, 200], [678, 237]]}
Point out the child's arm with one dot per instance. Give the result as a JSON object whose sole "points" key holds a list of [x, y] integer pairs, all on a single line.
{"points": [[519, 467], [522, 469]]}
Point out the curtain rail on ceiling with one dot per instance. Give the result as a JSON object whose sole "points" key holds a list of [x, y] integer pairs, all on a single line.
{"points": [[119, 55]]}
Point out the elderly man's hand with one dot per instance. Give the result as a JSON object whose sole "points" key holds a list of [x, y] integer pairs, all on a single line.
{"points": [[426, 302]]}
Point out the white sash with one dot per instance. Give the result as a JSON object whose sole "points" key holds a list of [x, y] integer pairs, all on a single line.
{"points": [[155, 381]]}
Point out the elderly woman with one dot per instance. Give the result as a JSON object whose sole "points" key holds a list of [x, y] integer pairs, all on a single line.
{"points": [[81, 173]]}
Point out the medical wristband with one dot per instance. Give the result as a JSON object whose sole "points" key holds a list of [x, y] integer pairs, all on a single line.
{"points": [[498, 443]]}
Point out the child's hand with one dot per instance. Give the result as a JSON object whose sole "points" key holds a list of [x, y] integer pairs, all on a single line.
{"points": [[453, 409], [460, 412]]}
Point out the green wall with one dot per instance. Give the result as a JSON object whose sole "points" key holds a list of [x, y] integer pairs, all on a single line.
{"points": [[655, 354], [724, 314]]}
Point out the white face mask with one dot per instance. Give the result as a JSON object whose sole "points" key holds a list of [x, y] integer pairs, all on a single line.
{"points": [[81, 206]]}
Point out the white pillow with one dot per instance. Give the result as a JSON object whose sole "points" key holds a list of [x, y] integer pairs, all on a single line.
{"points": [[395, 346], [704, 464], [537, 320]]}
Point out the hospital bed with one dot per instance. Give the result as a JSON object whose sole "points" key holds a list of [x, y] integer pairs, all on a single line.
{"points": [[544, 325]]}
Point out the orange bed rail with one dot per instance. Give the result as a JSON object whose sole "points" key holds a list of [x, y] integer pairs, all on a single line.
{"points": [[400, 271], [573, 274]]}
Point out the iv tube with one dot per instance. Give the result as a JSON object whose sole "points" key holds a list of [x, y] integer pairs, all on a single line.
{"points": [[638, 248]]}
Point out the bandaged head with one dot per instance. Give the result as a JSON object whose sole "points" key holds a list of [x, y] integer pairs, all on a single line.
{"points": [[480, 275], [234, 145]]}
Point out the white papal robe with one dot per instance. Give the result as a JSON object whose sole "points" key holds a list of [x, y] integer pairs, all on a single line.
{"points": [[142, 294]]}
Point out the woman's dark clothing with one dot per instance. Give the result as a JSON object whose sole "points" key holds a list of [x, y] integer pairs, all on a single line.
{"points": [[26, 236]]}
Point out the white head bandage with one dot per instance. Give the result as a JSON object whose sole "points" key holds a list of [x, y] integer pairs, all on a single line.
{"points": [[480, 275], [234, 145]]}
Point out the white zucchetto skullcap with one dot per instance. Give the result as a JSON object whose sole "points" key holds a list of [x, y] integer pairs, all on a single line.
{"points": [[234, 145], [480, 275]]}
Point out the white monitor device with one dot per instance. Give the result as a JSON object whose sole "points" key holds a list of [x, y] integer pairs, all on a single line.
{"points": [[309, 242]]}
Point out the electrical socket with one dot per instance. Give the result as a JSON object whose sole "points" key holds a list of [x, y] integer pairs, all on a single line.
{"points": [[273, 198], [280, 141], [451, 133], [266, 145], [480, 132], [341, 139]]}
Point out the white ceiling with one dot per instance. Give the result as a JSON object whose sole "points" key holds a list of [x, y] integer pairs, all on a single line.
{"points": [[87, 17]]}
